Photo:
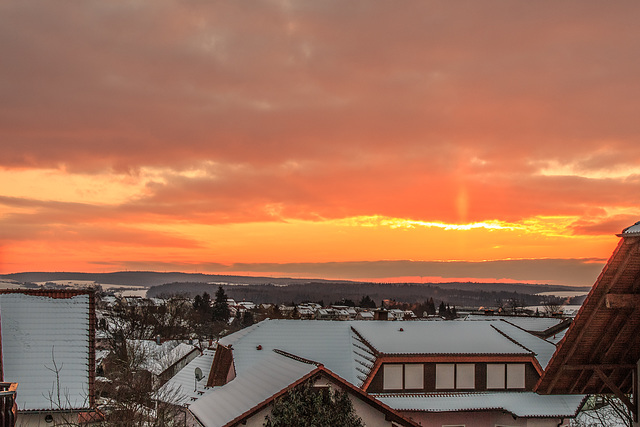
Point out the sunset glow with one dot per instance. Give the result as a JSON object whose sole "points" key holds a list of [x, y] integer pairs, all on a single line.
{"points": [[429, 140]]}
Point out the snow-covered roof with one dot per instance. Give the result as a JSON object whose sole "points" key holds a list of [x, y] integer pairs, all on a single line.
{"points": [[556, 338], [437, 338], [40, 333], [330, 343], [542, 349], [520, 404], [344, 348], [338, 346], [632, 230], [529, 323], [251, 387], [101, 355], [160, 357], [182, 388]]}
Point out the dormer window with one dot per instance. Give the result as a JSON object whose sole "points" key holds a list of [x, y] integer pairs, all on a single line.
{"points": [[455, 376], [505, 375], [468, 376], [403, 376]]}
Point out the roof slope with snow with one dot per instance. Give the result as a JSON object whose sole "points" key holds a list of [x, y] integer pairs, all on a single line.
{"points": [[542, 349], [331, 343], [183, 388], [45, 342], [438, 338], [528, 323], [520, 404], [157, 358], [251, 387], [342, 346], [351, 349]]}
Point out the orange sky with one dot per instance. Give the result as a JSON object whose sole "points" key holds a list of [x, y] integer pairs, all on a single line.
{"points": [[493, 140]]}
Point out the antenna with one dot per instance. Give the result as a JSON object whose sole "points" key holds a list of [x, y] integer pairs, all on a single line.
{"points": [[199, 376]]}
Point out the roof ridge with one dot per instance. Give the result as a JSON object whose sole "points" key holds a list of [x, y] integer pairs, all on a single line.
{"points": [[363, 340], [534, 333], [296, 358], [504, 334]]}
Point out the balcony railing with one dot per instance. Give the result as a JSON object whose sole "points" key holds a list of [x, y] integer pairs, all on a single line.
{"points": [[8, 406]]}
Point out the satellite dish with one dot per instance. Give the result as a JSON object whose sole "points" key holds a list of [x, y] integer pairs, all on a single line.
{"points": [[199, 374]]}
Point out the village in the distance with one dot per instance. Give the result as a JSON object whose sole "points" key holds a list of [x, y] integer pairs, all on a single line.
{"points": [[213, 353]]}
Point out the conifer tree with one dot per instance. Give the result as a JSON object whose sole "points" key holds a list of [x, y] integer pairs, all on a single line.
{"points": [[431, 307], [442, 309], [367, 302], [307, 406], [220, 310]]}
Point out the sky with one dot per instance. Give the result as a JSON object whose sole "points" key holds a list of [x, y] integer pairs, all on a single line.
{"points": [[381, 140]]}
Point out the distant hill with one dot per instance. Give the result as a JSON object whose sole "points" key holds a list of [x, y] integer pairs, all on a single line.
{"points": [[461, 294], [271, 289], [152, 278]]}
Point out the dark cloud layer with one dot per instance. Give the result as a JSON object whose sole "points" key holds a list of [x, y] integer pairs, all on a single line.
{"points": [[157, 83], [576, 272]]}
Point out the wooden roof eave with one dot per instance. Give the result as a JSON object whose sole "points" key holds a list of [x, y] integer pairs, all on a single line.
{"points": [[619, 274]]}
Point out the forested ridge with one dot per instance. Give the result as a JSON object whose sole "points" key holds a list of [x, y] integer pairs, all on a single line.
{"points": [[474, 295]]}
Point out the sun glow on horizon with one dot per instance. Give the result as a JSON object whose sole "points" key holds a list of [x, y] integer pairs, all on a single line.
{"points": [[382, 221]]}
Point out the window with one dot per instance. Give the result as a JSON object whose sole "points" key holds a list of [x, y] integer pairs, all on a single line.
{"points": [[505, 375], [466, 376], [455, 376], [496, 375], [392, 377], [403, 377], [414, 376], [445, 376], [515, 375]]}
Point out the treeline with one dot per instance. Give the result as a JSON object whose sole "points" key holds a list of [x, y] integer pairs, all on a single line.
{"points": [[330, 292]]}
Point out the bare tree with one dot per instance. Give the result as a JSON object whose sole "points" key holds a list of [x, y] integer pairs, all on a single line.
{"points": [[59, 397], [551, 304], [134, 398], [603, 411]]}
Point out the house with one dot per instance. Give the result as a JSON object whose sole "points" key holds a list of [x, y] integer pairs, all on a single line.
{"points": [[246, 305], [325, 314], [162, 360], [397, 374], [247, 399], [364, 315], [48, 348], [396, 314], [190, 383], [600, 352]]}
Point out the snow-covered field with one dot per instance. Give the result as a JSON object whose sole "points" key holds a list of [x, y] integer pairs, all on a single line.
{"points": [[563, 294], [7, 284], [124, 290]]}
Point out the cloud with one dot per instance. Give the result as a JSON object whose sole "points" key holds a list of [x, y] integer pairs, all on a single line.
{"points": [[162, 114], [160, 83]]}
